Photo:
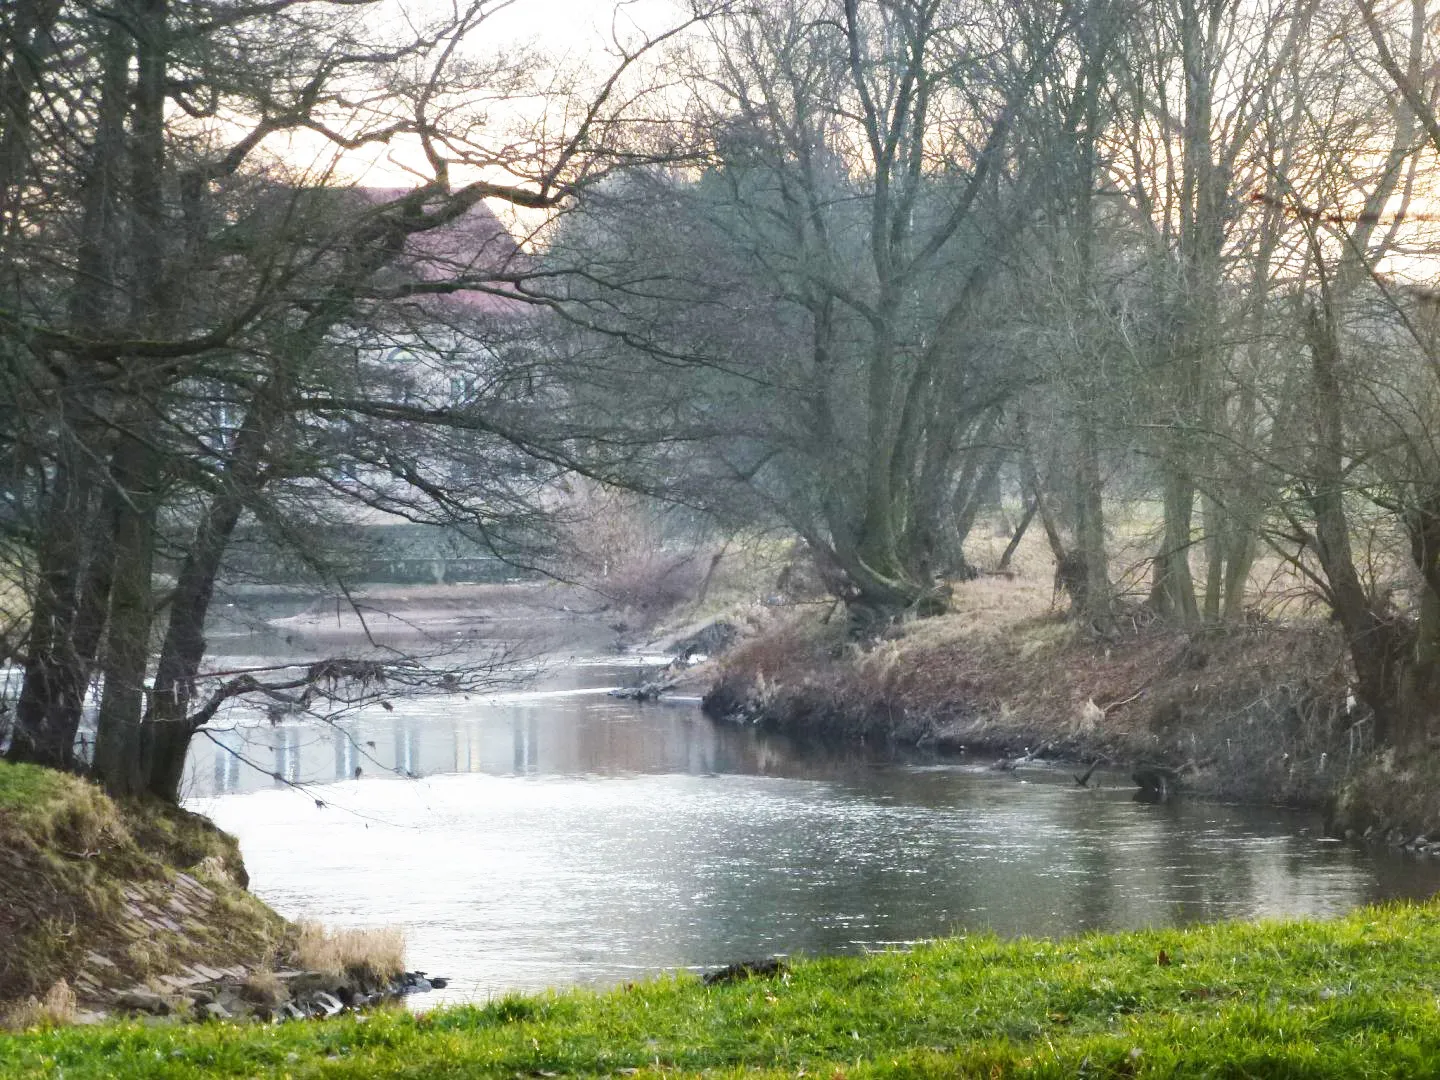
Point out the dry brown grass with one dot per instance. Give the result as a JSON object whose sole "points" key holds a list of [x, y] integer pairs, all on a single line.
{"points": [[74, 854], [56, 810], [264, 988], [1133, 530], [371, 952], [1256, 707], [55, 1009]]}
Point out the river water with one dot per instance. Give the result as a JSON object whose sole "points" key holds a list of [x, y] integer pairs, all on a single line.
{"points": [[556, 836]]}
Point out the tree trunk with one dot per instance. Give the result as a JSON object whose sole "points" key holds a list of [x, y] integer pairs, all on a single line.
{"points": [[1096, 605], [1028, 516], [1421, 689], [1172, 592], [72, 591], [136, 467], [127, 640], [167, 728], [52, 693], [1376, 644]]}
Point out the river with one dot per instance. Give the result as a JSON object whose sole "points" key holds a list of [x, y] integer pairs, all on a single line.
{"points": [[555, 836]]}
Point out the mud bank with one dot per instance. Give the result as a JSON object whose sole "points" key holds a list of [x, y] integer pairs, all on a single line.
{"points": [[1255, 713]]}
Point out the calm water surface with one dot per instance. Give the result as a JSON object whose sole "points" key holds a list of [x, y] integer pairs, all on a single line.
{"points": [[558, 837]]}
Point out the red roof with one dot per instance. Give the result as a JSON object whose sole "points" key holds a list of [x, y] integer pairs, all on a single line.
{"points": [[475, 246]]}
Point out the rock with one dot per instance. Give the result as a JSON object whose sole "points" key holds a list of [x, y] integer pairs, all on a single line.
{"points": [[265, 991], [329, 1004], [1157, 783], [183, 981], [302, 983], [139, 999], [747, 969], [215, 1011]]}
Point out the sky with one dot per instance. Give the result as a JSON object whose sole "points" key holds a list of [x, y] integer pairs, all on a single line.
{"points": [[573, 34]]}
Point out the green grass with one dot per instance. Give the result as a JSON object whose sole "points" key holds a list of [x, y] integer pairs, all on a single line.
{"points": [[24, 787], [1348, 998], [51, 809], [67, 851]]}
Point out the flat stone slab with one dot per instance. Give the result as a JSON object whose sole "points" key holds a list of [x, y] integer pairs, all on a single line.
{"points": [[183, 982], [190, 885]]}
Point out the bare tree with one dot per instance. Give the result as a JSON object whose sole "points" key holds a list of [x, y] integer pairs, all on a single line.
{"points": [[861, 188], [213, 291]]}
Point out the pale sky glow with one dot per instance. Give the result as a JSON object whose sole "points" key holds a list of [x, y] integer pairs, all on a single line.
{"points": [[571, 37]]}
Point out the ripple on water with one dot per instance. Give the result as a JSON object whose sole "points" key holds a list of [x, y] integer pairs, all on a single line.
{"points": [[561, 840]]}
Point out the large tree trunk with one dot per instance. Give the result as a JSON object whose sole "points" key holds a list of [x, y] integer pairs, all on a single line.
{"points": [[1096, 605], [127, 639], [56, 674], [1203, 202], [137, 470], [1172, 592], [73, 560]]}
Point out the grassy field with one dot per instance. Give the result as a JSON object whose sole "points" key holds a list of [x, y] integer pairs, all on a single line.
{"points": [[1347, 998]]}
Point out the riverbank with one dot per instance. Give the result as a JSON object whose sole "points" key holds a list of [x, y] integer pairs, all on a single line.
{"points": [[109, 909], [1344, 998], [1257, 712]]}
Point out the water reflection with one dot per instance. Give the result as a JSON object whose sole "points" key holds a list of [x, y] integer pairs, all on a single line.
{"points": [[565, 837], [569, 727]]}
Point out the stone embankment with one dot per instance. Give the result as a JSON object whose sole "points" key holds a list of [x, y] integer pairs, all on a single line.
{"points": [[178, 910], [203, 993], [113, 908]]}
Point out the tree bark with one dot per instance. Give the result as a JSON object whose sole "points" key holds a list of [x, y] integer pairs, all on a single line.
{"points": [[72, 594], [1376, 644], [127, 639], [52, 693], [168, 727]]}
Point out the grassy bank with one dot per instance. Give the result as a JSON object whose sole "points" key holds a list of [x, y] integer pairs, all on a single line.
{"points": [[97, 895], [1352, 997], [1255, 712], [1258, 711]]}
